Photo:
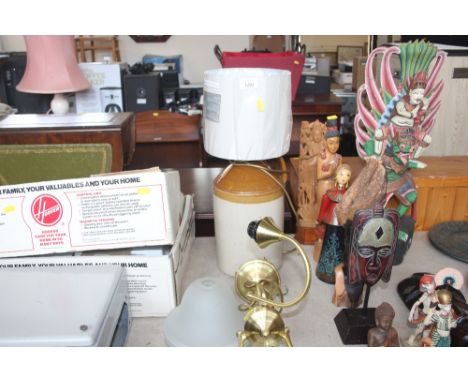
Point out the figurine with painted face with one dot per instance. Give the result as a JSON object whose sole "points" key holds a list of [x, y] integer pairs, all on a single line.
{"points": [[407, 143], [329, 159], [442, 320], [333, 242], [395, 118], [422, 307], [374, 233], [384, 334], [410, 109]]}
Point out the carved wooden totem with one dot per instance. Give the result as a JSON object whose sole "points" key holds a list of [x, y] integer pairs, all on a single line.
{"points": [[311, 145]]}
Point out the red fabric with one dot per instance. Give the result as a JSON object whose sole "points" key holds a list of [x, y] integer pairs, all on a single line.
{"points": [[292, 61], [329, 203]]}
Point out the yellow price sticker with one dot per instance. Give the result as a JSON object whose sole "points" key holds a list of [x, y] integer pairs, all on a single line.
{"points": [[144, 191], [8, 209], [260, 105]]}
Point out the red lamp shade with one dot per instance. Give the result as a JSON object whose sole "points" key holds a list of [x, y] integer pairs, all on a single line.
{"points": [[51, 66]]}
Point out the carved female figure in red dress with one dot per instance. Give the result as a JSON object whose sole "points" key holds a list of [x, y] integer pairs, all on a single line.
{"points": [[333, 241]]}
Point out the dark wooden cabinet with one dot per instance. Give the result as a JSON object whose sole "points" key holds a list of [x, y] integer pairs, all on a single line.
{"points": [[166, 140], [116, 129]]}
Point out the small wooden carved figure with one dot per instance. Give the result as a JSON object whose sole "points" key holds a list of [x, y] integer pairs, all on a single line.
{"points": [[329, 159], [442, 319], [422, 307], [311, 145], [340, 296], [312, 138], [333, 243], [384, 334]]}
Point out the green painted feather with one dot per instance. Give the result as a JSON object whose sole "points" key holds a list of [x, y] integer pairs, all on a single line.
{"points": [[415, 57], [387, 97]]}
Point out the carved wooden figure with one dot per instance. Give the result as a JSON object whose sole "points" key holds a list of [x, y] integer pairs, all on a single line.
{"points": [[333, 242], [395, 119], [328, 161], [368, 258], [340, 296], [384, 334], [311, 145]]}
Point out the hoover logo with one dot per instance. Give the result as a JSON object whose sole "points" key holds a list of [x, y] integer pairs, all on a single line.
{"points": [[46, 210]]}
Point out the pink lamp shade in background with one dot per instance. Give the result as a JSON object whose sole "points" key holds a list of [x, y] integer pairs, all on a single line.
{"points": [[52, 68]]}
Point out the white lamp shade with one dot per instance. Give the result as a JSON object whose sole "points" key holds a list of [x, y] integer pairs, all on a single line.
{"points": [[207, 316], [247, 113]]}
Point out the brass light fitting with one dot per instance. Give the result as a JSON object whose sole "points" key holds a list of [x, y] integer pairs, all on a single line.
{"points": [[258, 283]]}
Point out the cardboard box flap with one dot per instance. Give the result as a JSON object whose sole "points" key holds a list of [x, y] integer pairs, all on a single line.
{"points": [[115, 211]]}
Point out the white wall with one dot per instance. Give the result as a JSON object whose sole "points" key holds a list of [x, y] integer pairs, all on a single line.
{"points": [[196, 50], [12, 43], [330, 43]]}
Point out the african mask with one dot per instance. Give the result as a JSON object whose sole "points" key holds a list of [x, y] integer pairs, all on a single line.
{"points": [[374, 234]]}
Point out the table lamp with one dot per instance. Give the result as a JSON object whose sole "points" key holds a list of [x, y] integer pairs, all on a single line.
{"points": [[52, 68], [247, 117]]}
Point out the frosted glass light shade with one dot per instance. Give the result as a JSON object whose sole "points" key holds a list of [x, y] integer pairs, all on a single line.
{"points": [[51, 66], [247, 113], [208, 315]]}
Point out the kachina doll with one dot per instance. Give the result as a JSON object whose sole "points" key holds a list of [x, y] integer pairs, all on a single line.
{"points": [[333, 242]]}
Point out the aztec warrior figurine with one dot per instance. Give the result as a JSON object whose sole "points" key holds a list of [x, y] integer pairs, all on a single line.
{"points": [[396, 128]]}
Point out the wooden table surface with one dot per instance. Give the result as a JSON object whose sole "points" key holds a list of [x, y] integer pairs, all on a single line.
{"points": [[442, 192]]}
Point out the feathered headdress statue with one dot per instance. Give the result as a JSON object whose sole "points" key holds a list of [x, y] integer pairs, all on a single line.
{"points": [[416, 59], [395, 117]]}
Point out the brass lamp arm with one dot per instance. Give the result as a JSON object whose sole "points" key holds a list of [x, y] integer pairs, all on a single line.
{"points": [[306, 285]]}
